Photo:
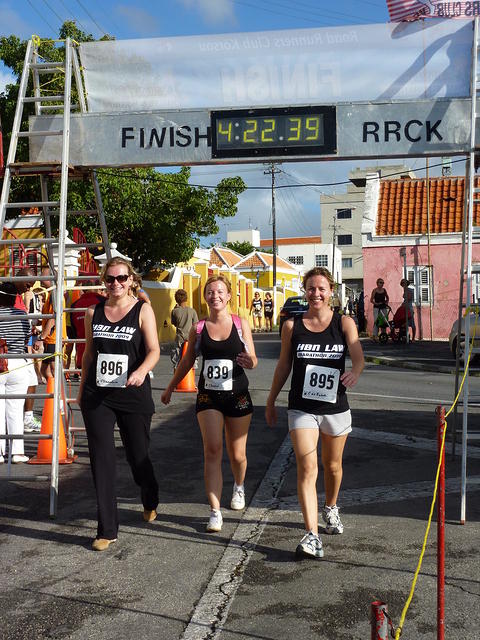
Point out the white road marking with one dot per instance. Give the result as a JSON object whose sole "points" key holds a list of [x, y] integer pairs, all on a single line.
{"points": [[211, 612]]}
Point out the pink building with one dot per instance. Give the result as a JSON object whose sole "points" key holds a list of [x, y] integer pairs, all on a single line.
{"points": [[395, 245]]}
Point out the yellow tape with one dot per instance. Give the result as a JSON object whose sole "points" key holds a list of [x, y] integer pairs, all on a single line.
{"points": [[29, 364], [435, 489]]}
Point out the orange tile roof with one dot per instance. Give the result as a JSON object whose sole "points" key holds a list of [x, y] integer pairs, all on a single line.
{"points": [[259, 258], [402, 206], [221, 256], [287, 241]]}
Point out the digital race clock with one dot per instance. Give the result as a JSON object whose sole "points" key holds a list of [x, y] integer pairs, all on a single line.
{"points": [[282, 131]]}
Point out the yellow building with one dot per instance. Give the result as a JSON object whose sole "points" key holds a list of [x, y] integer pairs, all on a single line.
{"points": [[258, 266]]}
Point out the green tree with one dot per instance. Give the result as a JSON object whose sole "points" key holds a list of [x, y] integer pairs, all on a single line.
{"points": [[243, 248], [156, 219]]}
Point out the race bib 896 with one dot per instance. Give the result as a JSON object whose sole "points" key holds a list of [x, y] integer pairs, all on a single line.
{"points": [[320, 383], [112, 370]]}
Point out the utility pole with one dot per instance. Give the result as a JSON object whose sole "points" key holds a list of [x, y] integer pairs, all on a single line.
{"points": [[334, 240], [273, 171]]}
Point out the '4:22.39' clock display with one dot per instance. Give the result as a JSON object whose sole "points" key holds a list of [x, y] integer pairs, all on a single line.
{"points": [[283, 131]]}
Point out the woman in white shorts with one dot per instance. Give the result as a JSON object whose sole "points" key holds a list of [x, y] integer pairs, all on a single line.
{"points": [[315, 344]]}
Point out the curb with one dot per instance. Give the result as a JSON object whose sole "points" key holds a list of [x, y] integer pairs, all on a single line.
{"points": [[401, 364]]}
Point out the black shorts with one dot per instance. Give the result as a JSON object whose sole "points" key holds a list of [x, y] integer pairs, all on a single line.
{"points": [[230, 404], [268, 314], [71, 333], [49, 348]]}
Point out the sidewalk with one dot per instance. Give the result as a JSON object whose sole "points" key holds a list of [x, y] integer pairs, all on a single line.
{"points": [[425, 355]]}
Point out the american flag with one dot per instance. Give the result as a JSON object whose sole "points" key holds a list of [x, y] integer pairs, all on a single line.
{"points": [[414, 9]]}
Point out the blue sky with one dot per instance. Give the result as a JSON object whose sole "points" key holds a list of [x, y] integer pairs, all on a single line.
{"points": [[298, 210]]}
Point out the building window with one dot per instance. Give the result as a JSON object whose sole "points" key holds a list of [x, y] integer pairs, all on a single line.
{"points": [[295, 259], [420, 278], [344, 239], [347, 263], [321, 261], [344, 214]]}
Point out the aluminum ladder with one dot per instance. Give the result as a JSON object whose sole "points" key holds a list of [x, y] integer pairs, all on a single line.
{"points": [[60, 104], [467, 272]]}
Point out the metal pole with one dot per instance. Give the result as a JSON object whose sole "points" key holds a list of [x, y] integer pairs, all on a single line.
{"points": [[379, 621], [334, 240], [427, 179], [440, 411]]}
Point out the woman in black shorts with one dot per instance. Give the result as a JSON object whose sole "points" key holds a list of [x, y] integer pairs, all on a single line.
{"points": [[121, 348], [268, 310], [315, 344], [223, 398]]}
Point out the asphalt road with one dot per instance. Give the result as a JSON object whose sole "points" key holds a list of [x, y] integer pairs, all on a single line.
{"points": [[171, 580]]}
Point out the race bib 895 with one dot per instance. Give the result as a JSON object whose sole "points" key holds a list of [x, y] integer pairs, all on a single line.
{"points": [[320, 383]]}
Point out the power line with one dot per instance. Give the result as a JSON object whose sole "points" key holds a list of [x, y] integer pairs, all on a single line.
{"points": [[42, 17], [53, 11], [76, 20], [91, 17]]}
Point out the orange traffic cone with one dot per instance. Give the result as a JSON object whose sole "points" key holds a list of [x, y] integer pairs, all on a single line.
{"points": [[187, 385], [44, 450]]}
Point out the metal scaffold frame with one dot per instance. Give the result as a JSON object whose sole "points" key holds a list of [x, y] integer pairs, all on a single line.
{"points": [[44, 102]]}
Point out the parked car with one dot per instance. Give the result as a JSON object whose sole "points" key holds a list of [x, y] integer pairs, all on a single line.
{"points": [[452, 338], [293, 307]]}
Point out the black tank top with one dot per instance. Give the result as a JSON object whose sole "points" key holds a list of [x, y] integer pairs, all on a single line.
{"points": [[220, 372], [318, 363], [268, 306], [380, 299], [122, 338]]}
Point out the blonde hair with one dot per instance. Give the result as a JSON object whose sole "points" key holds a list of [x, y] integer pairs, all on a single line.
{"points": [[219, 278], [136, 279]]}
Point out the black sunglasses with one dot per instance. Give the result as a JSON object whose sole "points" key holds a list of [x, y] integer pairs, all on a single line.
{"points": [[123, 277]]}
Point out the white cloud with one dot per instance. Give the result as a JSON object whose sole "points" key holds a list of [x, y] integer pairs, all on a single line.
{"points": [[5, 78], [139, 20], [12, 22], [213, 11]]}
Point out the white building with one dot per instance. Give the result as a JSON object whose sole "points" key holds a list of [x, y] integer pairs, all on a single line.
{"points": [[307, 252], [341, 220], [249, 235]]}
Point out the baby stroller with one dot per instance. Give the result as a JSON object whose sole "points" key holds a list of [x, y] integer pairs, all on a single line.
{"points": [[383, 323], [398, 329]]}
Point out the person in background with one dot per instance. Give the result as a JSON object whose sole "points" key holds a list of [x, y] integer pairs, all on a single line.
{"points": [[316, 344], [268, 310], [47, 336], [223, 400], [15, 331], [408, 302], [256, 310], [26, 302], [379, 298], [183, 318], [89, 298], [121, 348], [361, 312], [71, 296]]}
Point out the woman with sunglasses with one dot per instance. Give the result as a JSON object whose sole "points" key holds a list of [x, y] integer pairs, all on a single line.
{"points": [[121, 348], [379, 299], [223, 400]]}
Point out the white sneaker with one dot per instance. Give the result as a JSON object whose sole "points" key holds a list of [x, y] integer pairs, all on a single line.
{"points": [[19, 458], [333, 524], [32, 425], [310, 545], [2, 459], [238, 498], [216, 521]]}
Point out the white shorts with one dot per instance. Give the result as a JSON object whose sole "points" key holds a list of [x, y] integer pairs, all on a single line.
{"points": [[337, 424], [32, 374]]}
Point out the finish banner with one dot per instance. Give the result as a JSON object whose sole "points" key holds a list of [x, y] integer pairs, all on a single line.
{"points": [[420, 60], [407, 10]]}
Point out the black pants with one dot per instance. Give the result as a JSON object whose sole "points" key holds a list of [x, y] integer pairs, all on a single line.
{"points": [[135, 433]]}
